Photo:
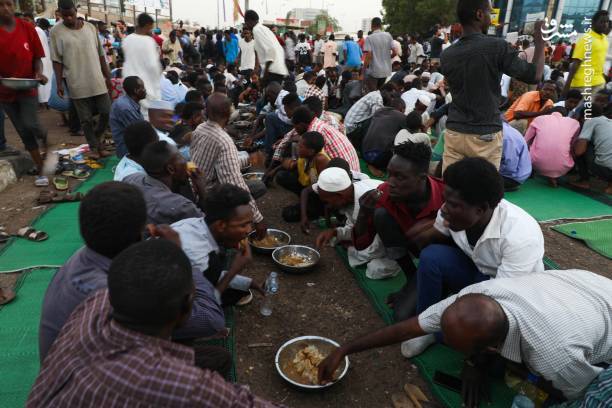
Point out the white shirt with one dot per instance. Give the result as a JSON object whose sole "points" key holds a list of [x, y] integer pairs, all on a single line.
{"points": [[247, 54], [269, 49], [411, 96], [301, 87], [163, 137], [280, 108], [505, 85], [318, 45], [560, 324], [125, 167], [512, 245], [345, 233], [142, 60]]}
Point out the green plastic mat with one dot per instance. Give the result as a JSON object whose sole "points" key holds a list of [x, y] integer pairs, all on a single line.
{"points": [[61, 222], [545, 203], [365, 170], [596, 234], [19, 337]]}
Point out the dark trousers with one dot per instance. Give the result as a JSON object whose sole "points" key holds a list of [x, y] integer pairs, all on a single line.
{"points": [[586, 166], [378, 159], [275, 129], [443, 270], [23, 113], [85, 108], [288, 180], [272, 78], [218, 263], [207, 357], [358, 133], [74, 125], [2, 136], [511, 185], [314, 207]]}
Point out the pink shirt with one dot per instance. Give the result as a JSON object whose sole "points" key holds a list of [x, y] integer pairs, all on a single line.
{"points": [[550, 139]]}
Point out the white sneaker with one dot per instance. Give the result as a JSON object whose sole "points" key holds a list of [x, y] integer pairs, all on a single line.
{"points": [[414, 347]]}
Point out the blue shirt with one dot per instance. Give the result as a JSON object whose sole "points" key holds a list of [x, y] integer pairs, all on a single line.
{"points": [[125, 167], [124, 112], [353, 54], [515, 162], [169, 92], [230, 49]]}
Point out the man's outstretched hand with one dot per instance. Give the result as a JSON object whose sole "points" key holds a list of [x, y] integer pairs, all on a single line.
{"points": [[328, 367]]}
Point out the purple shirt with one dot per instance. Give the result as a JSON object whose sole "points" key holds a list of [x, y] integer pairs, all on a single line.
{"points": [[515, 162], [86, 272]]}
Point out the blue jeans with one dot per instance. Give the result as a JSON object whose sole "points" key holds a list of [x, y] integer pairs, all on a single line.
{"points": [[444, 270], [275, 129]]}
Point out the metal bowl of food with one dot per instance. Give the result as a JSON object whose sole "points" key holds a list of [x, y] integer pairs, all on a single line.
{"points": [[274, 238], [297, 361], [19, 84], [253, 176], [296, 259]]}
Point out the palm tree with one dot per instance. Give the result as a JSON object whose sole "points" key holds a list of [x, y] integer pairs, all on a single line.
{"points": [[322, 22]]}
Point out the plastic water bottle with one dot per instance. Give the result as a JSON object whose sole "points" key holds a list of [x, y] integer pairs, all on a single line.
{"points": [[271, 290]]}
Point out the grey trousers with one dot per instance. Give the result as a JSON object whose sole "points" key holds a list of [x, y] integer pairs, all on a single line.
{"points": [[86, 109], [24, 115]]}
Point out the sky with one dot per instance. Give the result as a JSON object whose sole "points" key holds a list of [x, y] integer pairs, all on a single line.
{"points": [[348, 12]]}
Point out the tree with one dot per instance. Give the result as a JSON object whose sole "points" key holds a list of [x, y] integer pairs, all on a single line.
{"points": [[321, 23], [417, 16]]}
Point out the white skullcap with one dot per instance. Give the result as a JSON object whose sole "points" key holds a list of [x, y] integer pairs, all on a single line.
{"points": [[425, 100], [409, 78], [426, 74], [332, 180], [160, 105], [405, 136]]}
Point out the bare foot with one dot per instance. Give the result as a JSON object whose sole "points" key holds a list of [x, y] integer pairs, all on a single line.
{"points": [[375, 172], [553, 182], [581, 184]]}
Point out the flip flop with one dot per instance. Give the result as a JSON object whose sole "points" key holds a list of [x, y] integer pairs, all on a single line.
{"points": [[6, 296], [246, 299], [60, 183], [77, 173], [31, 234]]}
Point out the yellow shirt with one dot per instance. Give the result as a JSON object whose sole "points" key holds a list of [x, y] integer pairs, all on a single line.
{"points": [[307, 171], [591, 70]]}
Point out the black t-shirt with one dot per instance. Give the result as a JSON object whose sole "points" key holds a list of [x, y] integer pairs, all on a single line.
{"points": [[436, 47], [385, 125], [473, 67]]}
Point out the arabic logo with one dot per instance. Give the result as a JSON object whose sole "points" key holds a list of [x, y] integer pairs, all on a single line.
{"points": [[551, 30]]}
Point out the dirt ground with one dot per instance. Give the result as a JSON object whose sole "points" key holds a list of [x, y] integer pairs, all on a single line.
{"points": [[326, 302]]}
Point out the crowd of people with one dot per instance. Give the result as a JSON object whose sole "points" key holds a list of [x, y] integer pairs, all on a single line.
{"points": [[450, 121]]}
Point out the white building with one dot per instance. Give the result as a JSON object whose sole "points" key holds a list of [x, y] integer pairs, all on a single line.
{"points": [[366, 24], [304, 13]]}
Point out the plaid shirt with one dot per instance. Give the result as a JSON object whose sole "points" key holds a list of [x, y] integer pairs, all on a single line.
{"points": [[336, 143], [362, 110], [96, 362], [215, 153], [559, 324], [314, 90]]}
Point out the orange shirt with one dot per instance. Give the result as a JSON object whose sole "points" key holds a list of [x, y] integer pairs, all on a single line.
{"points": [[527, 102]]}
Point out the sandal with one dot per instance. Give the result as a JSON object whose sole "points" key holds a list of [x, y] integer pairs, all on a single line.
{"points": [[245, 300], [78, 173], [48, 197], [60, 183], [31, 234], [41, 181], [6, 296]]}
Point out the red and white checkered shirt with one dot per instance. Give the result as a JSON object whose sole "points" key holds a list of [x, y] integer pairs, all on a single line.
{"points": [[314, 90], [96, 362], [336, 143]]}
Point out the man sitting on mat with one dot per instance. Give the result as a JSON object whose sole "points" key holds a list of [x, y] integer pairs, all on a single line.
{"points": [[166, 176], [207, 242], [116, 351], [408, 201], [136, 136], [112, 217], [477, 235], [337, 189], [525, 320]]}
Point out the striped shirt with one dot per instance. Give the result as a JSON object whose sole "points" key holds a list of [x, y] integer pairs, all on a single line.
{"points": [[362, 110], [96, 362], [215, 153], [336, 143], [560, 324]]}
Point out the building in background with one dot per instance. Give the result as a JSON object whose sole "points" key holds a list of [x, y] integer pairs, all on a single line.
{"points": [[366, 24], [515, 13], [304, 13]]}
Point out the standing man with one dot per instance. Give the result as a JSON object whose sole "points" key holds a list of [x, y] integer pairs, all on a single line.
{"points": [[171, 49], [248, 58], [591, 49], [268, 49], [318, 49], [473, 67], [21, 53], [378, 54], [79, 58], [352, 53], [330, 52], [230, 48], [436, 46], [142, 56]]}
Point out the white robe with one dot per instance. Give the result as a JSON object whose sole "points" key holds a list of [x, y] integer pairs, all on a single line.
{"points": [[44, 91], [142, 60]]}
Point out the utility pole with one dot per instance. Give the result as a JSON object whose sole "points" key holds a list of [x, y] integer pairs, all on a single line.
{"points": [[246, 5]]}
